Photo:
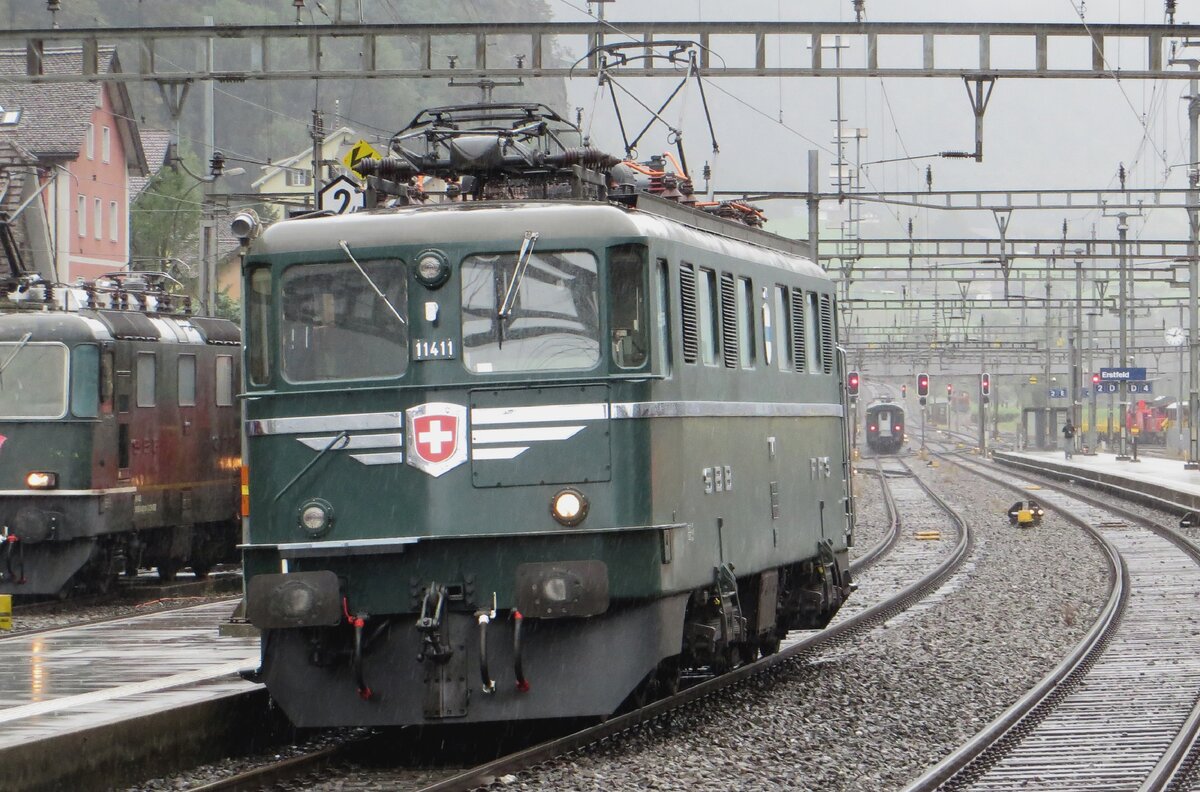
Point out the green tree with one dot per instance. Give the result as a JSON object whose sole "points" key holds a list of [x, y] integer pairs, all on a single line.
{"points": [[165, 223]]}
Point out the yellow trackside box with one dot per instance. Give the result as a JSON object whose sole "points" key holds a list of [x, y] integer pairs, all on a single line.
{"points": [[5, 611]]}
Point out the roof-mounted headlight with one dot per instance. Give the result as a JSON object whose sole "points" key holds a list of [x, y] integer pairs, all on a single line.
{"points": [[432, 269]]}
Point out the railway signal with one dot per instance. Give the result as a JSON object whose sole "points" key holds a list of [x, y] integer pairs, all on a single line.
{"points": [[1095, 379], [923, 387], [985, 384], [903, 391], [949, 390], [852, 383]]}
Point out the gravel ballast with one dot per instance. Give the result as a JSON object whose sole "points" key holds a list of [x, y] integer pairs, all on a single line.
{"points": [[873, 715]]}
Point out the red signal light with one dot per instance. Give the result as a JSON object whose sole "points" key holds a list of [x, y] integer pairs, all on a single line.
{"points": [[904, 391], [949, 390], [1095, 379], [852, 383], [922, 384], [985, 384]]}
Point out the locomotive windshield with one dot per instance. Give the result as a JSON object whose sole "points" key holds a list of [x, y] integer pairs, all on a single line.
{"points": [[335, 327], [33, 380], [554, 322]]}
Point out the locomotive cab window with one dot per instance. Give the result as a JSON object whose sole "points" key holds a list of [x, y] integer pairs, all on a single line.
{"points": [[33, 379], [627, 306], [553, 318], [335, 326], [85, 381], [258, 336]]}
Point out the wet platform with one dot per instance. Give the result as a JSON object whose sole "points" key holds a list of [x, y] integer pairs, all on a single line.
{"points": [[70, 685], [1160, 482]]}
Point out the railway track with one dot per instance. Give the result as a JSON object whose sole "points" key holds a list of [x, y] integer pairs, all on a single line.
{"points": [[938, 567], [1120, 711], [163, 596]]}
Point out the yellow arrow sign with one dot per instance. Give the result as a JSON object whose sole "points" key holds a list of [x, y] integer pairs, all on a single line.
{"points": [[360, 150]]}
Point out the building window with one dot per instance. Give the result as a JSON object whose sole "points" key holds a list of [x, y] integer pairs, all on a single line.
{"points": [[89, 143], [114, 228], [98, 220], [105, 144], [298, 178], [81, 219]]}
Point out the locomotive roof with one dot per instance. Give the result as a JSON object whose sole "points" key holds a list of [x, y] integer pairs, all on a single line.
{"points": [[486, 221], [96, 325]]}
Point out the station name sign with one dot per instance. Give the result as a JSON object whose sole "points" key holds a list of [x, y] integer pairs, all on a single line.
{"points": [[1122, 374]]}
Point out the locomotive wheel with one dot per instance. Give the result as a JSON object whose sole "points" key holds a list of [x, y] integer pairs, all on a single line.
{"points": [[167, 570], [769, 644], [201, 570], [660, 683], [747, 653]]}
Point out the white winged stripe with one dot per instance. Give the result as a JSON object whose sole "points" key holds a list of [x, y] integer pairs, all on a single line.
{"points": [[524, 434], [547, 413], [389, 440]]}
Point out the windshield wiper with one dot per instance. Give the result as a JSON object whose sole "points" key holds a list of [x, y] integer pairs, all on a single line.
{"points": [[382, 296], [510, 296], [20, 345]]}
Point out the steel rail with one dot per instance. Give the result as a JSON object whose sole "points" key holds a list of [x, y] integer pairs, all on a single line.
{"points": [[1184, 750], [884, 545], [991, 744]]}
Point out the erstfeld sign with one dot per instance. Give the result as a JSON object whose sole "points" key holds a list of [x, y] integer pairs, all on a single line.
{"points": [[1123, 374]]}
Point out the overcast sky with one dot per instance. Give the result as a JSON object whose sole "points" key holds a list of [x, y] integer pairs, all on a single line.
{"points": [[1037, 133]]}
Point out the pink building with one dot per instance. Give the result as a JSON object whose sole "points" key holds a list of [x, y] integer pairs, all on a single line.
{"points": [[68, 152]]}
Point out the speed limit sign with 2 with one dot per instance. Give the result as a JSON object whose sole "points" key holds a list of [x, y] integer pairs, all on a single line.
{"points": [[341, 196]]}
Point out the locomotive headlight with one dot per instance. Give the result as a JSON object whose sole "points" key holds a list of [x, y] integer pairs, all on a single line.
{"points": [[569, 506], [41, 480], [316, 517], [432, 269]]}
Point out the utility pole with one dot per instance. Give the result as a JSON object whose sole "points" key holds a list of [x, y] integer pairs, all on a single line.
{"points": [[1093, 430], [1076, 346], [1193, 210], [1047, 437], [318, 139], [1122, 309], [814, 204], [208, 235]]}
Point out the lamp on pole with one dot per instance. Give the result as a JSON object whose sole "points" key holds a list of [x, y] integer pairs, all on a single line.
{"points": [[1076, 342]]}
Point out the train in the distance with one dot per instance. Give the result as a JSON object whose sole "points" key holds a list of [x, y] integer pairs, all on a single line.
{"points": [[119, 433], [885, 427], [531, 447]]}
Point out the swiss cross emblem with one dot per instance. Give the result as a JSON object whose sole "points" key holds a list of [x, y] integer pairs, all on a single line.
{"points": [[436, 436]]}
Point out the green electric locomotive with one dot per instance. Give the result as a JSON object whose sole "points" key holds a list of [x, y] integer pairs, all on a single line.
{"points": [[119, 443], [530, 447]]}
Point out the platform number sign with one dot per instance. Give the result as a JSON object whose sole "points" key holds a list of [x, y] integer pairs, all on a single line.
{"points": [[341, 196]]}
